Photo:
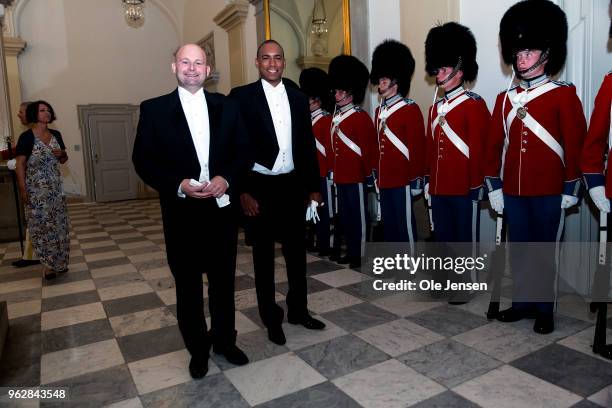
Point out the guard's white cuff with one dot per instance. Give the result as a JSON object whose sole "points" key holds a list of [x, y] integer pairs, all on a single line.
{"points": [[568, 201], [496, 197]]}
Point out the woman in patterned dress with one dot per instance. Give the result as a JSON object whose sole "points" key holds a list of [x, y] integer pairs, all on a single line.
{"points": [[40, 151]]}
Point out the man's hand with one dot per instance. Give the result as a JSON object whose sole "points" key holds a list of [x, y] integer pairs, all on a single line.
{"points": [[194, 191], [250, 206], [216, 188], [315, 197]]}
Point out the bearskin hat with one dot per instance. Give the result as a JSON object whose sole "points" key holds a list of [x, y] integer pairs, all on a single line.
{"points": [[535, 24], [392, 59], [445, 44], [349, 74], [314, 82]]}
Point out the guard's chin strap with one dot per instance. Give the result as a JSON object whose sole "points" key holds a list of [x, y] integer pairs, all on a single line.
{"points": [[452, 74], [543, 58]]}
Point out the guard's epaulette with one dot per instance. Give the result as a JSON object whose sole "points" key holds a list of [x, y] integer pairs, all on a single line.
{"points": [[511, 88], [562, 83], [473, 95], [409, 101]]}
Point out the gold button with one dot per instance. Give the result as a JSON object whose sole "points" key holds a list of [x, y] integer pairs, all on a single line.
{"points": [[440, 156], [523, 150], [524, 141], [525, 133]]}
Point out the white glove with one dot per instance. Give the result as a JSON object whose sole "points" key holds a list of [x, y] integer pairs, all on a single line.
{"points": [[426, 192], [496, 198], [311, 212], [598, 194], [568, 201], [222, 201], [11, 164], [415, 191]]}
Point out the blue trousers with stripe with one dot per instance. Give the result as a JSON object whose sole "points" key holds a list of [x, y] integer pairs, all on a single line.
{"points": [[397, 215], [533, 219], [455, 218], [352, 210]]}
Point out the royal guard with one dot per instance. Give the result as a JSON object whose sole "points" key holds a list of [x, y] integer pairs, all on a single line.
{"points": [[457, 128], [534, 146], [401, 141], [314, 82], [355, 152]]}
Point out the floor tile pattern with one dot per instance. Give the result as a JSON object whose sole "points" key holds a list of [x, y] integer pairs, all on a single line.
{"points": [[107, 330]]}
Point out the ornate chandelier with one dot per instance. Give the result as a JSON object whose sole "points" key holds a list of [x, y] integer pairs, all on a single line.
{"points": [[134, 12]]}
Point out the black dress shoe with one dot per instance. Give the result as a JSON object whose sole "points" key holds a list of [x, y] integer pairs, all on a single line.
{"points": [[198, 366], [544, 324], [232, 354], [334, 256], [276, 335], [514, 315], [605, 351], [355, 262], [344, 259], [308, 322], [21, 263]]}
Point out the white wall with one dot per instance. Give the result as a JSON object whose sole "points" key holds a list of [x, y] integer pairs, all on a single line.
{"points": [[82, 52]]}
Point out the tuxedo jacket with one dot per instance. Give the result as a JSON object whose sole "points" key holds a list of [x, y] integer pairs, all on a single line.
{"points": [[262, 140], [164, 155]]}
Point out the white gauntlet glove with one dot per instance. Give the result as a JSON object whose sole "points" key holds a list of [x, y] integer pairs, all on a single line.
{"points": [[568, 201], [311, 212], [11, 164], [598, 194], [426, 192], [415, 191], [496, 198]]}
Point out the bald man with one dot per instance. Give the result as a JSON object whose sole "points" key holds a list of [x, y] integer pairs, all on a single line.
{"points": [[189, 147]]}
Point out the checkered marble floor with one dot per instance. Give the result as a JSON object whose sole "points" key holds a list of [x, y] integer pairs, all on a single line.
{"points": [[107, 330]]}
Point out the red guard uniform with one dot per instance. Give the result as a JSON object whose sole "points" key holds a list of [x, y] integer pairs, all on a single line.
{"points": [[597, 143], [455, 144], [546, 163], [456, 132], [546, 130], [321, 126], [400, 164], [353, 141], [401, 142]]}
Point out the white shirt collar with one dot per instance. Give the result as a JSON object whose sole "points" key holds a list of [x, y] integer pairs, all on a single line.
{"points": [[274, 89], [185, 95]]}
